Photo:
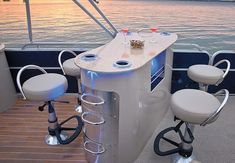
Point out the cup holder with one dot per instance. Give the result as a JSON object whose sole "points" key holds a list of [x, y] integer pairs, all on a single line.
{"points": [[92, 99], [122, 64], [165, 33], [89, 57], [93, 147], [92, 118]]}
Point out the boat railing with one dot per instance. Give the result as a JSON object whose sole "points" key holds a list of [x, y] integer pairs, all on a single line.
{"points": [[92, 2], [195, 46], [81, 46], [214, 55]]}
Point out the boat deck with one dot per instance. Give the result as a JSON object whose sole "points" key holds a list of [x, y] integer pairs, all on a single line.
{"points": [[22, 132], [214, 143], [23, 128]]}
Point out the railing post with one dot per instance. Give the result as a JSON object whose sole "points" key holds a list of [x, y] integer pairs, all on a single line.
{"points": [[27, 6], [103, 16], [94, 18]]}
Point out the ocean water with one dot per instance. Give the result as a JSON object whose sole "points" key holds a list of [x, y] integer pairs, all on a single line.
{"points": [[208, 24]]}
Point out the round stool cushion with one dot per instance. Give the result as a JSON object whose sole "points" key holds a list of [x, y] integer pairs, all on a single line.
{"points": [[205, 74], [45, 87], [193, 106], [70, 68]]}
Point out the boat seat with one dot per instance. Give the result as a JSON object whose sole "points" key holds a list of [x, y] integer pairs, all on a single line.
{"points": [[205, 74], [69, 68], [47, 87], [192, 107], [54, 87], [208, 74]]}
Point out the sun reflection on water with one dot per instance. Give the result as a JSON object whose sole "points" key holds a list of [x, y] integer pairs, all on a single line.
{"points": [[202, 23]]}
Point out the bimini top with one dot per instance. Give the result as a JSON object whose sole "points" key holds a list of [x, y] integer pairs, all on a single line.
{"points": [[117, 56]]}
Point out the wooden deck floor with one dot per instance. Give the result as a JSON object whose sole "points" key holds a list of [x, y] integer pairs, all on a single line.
{"points": [[22, 132]]}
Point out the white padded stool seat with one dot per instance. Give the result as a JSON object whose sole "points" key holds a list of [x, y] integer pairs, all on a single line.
{"points": [[70, 68], [45, 87], [205, 74], [193, 106]]}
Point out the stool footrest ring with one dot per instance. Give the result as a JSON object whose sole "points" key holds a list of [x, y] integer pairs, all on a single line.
{"points": [[161, 136], [179, 146], [76, 130]]}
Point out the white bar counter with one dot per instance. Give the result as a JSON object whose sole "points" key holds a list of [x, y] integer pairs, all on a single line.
{"points": [[115, 50], [136, 94]]}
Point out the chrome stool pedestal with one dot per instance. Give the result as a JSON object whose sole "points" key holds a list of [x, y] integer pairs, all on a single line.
{"points": [[52, 140]]}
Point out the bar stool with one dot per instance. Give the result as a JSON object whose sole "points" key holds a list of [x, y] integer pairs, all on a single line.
{"points": [[208, 74], [69, 68], [192, 107], [47, 87]]}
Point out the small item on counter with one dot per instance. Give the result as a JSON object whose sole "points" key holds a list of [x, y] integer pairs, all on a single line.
{"points": [[137, 44]]}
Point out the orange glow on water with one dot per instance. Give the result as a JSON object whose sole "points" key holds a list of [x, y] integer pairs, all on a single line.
{"points": [[62, 20], [33, 1]]}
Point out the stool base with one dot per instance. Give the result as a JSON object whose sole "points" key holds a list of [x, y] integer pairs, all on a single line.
{"points": [[184, 148], [52, 140], [176, 158], [78, 109]]}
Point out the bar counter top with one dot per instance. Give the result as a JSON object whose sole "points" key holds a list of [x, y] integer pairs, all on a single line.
{"points": [[116, 56]]}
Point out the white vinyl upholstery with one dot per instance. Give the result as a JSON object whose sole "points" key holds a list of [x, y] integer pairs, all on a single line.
{"points": [[45, 87], [205, 74], [193, 106], [70, 68]]}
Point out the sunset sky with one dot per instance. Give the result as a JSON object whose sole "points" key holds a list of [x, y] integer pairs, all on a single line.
{"points": [[36, 1]]}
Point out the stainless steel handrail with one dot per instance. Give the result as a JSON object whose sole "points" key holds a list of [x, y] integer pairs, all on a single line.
{"points": [[29, 24], [189, 44], [226, 71], [60, 55], [19, 75], [219, 52], [27, 6], [216, 113], [94, 18], [103, 16], [62, 43]]}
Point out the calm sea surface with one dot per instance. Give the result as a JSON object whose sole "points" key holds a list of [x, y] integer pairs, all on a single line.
{"points": [[209, 24]]}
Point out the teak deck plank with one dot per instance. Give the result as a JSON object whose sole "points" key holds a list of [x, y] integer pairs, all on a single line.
{"points": [[22, 132]]}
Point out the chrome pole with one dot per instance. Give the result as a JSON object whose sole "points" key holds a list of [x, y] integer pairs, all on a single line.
{"points": [[103, 16], [91, 16], [27, 6]]}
